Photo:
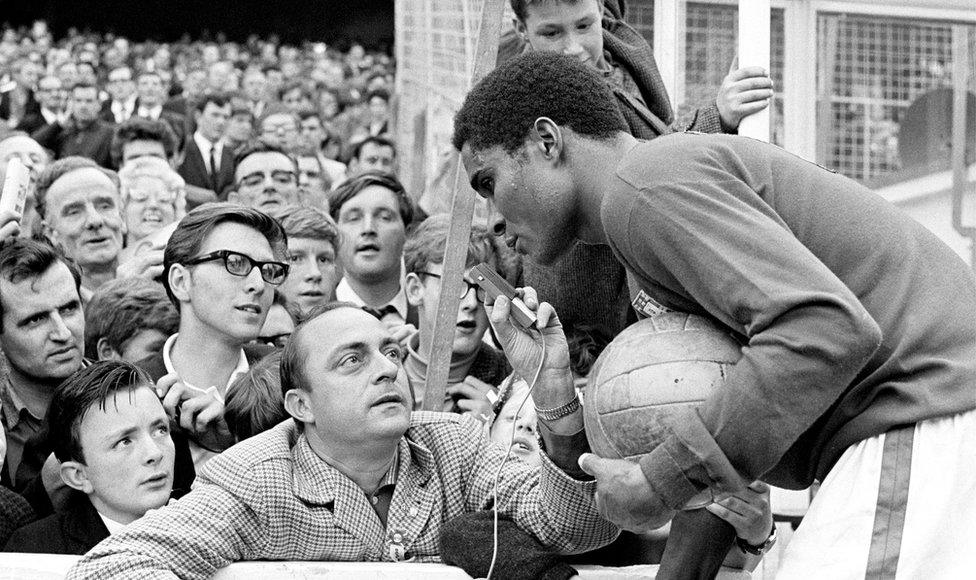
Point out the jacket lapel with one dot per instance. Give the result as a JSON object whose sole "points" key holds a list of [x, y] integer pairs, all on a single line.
{"points": [[318, 483]]}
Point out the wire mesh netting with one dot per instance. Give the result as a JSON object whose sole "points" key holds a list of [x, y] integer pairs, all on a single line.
{"points": [[884, 93]]}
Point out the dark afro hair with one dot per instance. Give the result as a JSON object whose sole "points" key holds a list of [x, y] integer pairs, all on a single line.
{"points": [[502, 108]]}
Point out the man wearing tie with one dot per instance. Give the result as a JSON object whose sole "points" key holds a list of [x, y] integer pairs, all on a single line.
{"points": [[208, 163]]}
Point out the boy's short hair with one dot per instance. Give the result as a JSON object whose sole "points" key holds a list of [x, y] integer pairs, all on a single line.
{"points": [[142, 129], [355, 185], [192, 230], [254, 401], [90, 386], [521, 7], [22, 259], [122, 308], [502, 108], [307, 222], [427, 244]]}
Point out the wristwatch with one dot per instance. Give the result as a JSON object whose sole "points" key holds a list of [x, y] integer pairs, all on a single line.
{"points": [[762, 548]]}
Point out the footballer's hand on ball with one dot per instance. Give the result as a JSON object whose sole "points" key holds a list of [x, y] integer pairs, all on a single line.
{"points": [[623, 494], [522, 347], [748, 512]]}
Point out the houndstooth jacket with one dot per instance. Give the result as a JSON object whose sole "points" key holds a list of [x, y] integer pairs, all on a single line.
{"points": [[271, 498]]}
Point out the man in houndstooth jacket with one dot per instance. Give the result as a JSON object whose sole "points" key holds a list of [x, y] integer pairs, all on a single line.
{"points": [[355, 477]]}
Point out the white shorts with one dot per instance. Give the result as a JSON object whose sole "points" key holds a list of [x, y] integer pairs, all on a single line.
{"points": [[899, 505]]}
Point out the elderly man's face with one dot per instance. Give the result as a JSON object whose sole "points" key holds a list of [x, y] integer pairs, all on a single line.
{"points": [[84, 215], [266, 181], [358, 391]]}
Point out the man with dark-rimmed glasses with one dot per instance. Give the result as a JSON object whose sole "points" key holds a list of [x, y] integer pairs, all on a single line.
{"points": [[221, 267], [265, 177]]}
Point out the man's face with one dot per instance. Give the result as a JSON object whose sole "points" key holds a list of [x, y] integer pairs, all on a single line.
{"points": [[68, 73], [535, 202], [254, 86], [195, 83], [149, 205], [143, 148], [150, 89], [314, 273], [359, 393], [373, 234], [280, 129], [295, 100], [310, 178], [571, 28], [240, 127], [265, 181], [43, 324], [50, 94], [233, 306], [472, 320], [120, 84], [212, 121], [128, 454], [378, 109], [84, 104], [374, 156], [313, 133], [84, 215], [86, 73]]}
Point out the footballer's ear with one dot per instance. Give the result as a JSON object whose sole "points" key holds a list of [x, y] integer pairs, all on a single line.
{"points": [[547, 137]]}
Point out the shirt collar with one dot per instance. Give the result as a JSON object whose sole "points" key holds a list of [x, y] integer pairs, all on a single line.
{"points": [[242, 368], [111, 525], [345, 293], [11, 405], [205, 144]]}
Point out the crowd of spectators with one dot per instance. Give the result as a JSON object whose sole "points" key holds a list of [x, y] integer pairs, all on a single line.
{"points": [[192, 205]]}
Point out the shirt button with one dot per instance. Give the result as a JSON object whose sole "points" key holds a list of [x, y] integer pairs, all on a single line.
{"points": [[414, 511], [398, 538], [375, 500]]}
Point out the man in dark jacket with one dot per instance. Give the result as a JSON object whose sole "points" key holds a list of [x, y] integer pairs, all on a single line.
{"points": [[83, 133]]}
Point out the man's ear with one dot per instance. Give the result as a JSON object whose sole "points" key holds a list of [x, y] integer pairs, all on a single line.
{"points": [[179, 282], [75, 475], [297, 405], [105, 351], [49, 232], [414, 288], [547, 137], [234, 197]]}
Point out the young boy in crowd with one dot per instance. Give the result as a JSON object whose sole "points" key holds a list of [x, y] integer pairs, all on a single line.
{"points": [[128, 319], [313, 242], [476, 367], [111, 435]]}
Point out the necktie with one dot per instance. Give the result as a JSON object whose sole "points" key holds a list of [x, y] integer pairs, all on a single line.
{"points": [[381, 312], [213, 167]]}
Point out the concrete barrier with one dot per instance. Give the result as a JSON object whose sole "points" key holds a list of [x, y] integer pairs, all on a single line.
{"points": [[53, 567]]}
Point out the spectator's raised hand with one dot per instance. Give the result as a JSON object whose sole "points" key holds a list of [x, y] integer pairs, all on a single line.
{"points": [[402, 331], [199, 412], [743, 92], [142, 264]]}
